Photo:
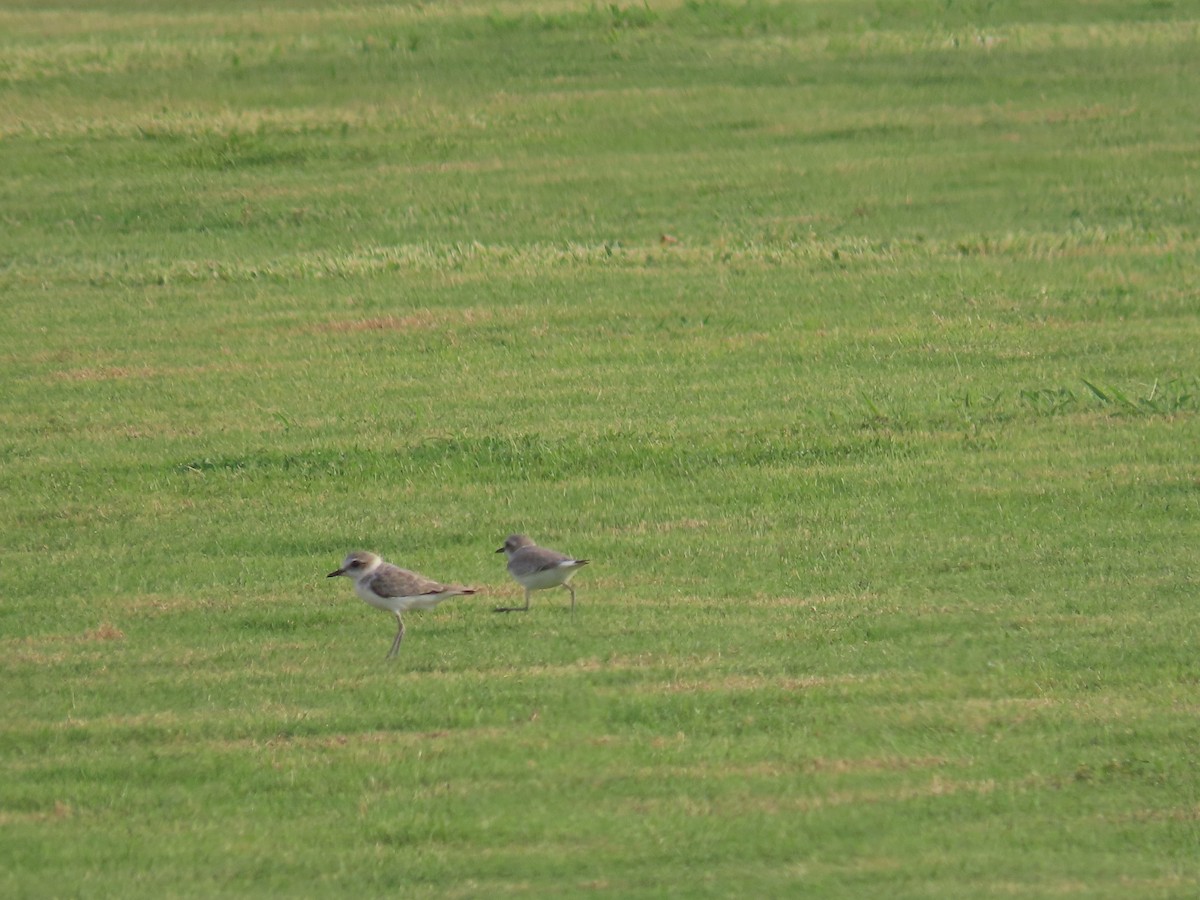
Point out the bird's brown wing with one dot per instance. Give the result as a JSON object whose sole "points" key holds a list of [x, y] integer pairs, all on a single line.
{"points": [[392, 581]]}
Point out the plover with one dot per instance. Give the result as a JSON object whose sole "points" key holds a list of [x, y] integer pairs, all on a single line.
{"points": [[537, 568], [397, 590]]}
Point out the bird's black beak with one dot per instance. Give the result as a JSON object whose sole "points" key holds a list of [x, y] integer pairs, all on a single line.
{"points": [[499, 549], [336, 574]]}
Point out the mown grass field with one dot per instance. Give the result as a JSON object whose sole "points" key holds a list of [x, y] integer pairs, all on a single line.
{"points": [[855, 343]]}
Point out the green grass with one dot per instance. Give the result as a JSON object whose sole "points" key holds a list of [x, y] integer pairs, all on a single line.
{"points": [[854, 342]]}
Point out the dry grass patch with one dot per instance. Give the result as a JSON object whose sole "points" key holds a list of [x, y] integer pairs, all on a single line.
{"points": [[420, 322], [51, 649], [975, 40], [108, 373], [736, 683], [461, 263], [61, 811], [159, 604], [881, 764], [1172, 814], [643, 526], [639, 662], [105, 631], [817, 766], [779, 802], [38, 656], [809, 602], [389, 738], [144, 373]]}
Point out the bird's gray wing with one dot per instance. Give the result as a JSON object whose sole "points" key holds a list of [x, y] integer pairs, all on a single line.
{"points": [[530, 560]]}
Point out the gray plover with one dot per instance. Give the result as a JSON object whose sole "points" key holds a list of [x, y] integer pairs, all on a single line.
{"points": [[397, 590], [538, 568]]}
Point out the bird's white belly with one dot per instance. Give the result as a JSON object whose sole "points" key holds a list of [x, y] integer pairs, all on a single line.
{"points": [[398, 604], [548, 578], [426, 601]]}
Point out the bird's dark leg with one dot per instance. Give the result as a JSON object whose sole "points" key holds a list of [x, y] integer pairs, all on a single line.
{"points": [[524, 608], [399, 637]]}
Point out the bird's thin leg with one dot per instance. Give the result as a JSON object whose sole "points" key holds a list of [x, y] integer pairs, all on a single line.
{"points": [[524, 608], [572, 590], [399, 637]]}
